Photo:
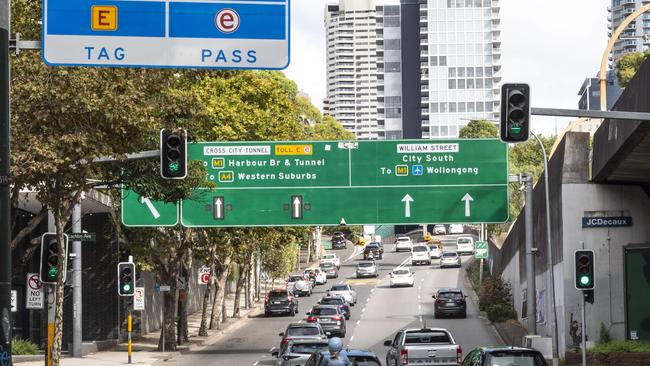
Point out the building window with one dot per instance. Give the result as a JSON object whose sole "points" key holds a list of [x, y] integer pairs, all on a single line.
{"points": [[470, 83], [443, 107], [392, 67], [452, 83], [433, 60], [452, 72], [470, 107], [393, 112], [479, 72], [470, 72], [391, 10], [442, 61], [479, 83], [461, 72], [434, 107], [461, 107], [452, 107], [479, 106], [392, 44], [461, 83], [393, 101], [391, 21]]}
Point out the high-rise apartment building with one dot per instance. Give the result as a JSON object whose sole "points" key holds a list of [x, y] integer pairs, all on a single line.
{"points": [[636, 36], [460, 64]]}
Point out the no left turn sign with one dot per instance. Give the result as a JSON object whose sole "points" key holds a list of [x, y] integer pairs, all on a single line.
{"points": [[227, 21]]}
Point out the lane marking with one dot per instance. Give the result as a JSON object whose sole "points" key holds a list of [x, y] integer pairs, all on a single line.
{"points": [[351, 338], [363, 310], [256, 363], [358, 321]]}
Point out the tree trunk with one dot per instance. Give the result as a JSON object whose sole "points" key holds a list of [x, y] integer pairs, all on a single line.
{"points": [[241, 278], [59, 222], [169, 320], [258, 285], [220, 293], [203, 329]]}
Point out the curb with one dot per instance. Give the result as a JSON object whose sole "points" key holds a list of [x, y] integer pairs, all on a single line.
{"points": [[164, 358], [27, 358]]}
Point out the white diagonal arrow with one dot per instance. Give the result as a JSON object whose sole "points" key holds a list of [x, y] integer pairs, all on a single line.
{"points": [[219, 204], [467, 198], [407, 205], [296, 207], [146, 201]]}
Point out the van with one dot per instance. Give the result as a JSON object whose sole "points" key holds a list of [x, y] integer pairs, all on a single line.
{"points": [[420, 255], [465, 245]]}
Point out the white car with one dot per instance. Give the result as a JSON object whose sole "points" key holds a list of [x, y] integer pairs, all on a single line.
{"points": [[401, 276], [345, 291], [403, 243], [420, 255], [465, 245], [434, 251], [449, 259], [439, 230], [321, 276], [331, 258], [456, 229]]}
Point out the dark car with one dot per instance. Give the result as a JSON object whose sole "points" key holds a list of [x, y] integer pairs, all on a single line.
{"points": [[375, 248], [450, 301], [493, 356], [330, 317], [330, 270], [280, 302], [356, 357], [339, 241], [296, 331], [338, 301]]}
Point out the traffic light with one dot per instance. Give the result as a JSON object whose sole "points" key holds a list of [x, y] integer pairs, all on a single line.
{"points": [[50, 271], [125, 279], [584, 269], [173, 153], [515, 112]]}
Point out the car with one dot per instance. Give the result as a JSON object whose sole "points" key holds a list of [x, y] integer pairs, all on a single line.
{"points": [[330, 270], [331, 258], [297, 285], [346, 291], [420, 255], [330, 318], [450, 301], [297, 352], [367, 269], [280, 301], [296, 331], [375, 248], [321, 277], [435, 251], [339, 242], [423, 346], [449, 259], [439, 230], [465, 245], [356, 358], [456, 229], [338, 301], [504, 355], [401, 276], [403, 243]]}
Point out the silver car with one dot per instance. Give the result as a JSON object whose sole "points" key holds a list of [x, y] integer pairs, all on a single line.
{"points": [[449, 259], [367, 269], [297, 352], [299, 286], [345, 291]]}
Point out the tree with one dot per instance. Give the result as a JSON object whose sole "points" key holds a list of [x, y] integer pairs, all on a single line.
{"points": [[628, 65], [476, 129]]}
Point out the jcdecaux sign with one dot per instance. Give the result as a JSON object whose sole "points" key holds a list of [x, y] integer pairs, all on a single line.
{"points": [[222, 34]]}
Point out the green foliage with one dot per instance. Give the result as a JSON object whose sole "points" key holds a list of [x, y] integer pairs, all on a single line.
{"points": [[494, 291], [23, 347], [479, 129], [621, 347], [604, 336], [473, 272], [628, 65], [500, 313]]}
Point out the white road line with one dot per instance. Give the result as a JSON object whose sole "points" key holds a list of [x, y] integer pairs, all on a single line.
{"points": [[373, 290], [351, 338], [358, 321], [420, 318], [363, 310], [256, 363]]}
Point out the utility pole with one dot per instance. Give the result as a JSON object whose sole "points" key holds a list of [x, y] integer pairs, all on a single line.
{"points": [[5, 188], [530, 256], [77, 328]]}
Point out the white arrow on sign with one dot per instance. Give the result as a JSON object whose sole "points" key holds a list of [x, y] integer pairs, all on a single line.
{"points": [[467, 198], [218, 213], [407, 205], [146, 201], [297, 205]]}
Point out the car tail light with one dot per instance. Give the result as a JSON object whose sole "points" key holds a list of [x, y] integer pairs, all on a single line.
{"points": [[311, 319], [285, 340], [440, 301], [337, 318], [459, 355], [391, 275], [404, 355]]}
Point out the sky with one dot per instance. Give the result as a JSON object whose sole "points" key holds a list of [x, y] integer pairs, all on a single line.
{"points": [[553, 45]]}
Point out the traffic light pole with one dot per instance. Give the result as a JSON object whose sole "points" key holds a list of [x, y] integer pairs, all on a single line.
{"points": [[530, 256], [584, 328], [5, 188]]}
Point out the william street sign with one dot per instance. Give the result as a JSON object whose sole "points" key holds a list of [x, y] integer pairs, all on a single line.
{"points": [[220, 34], [361, 182]]}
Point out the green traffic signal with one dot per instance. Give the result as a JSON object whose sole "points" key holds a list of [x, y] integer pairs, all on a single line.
{"points": [[52, 273], [515, 130], [174, 166], [585, 280], [126, 288]]}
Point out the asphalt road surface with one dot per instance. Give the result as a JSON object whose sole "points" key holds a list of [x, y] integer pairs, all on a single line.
{"points": [[380, 312]]}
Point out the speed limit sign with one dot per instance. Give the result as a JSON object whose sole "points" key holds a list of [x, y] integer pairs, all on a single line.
{"points": [[204, 275]]}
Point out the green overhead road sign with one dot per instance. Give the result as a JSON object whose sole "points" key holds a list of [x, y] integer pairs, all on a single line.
{"points": [[481, 250], [361, 182], [140, 211]]}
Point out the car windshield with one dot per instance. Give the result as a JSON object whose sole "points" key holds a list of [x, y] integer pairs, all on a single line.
{"points": [[329, 256], [365, 264], [308, 348], [277, 294], [464, 241], [295, 279], [372, 246], [375, 243], [303, 331], [450, 295], [339, 288], [427, 337], [324, 311], [433, 247], [403, 239], [401, 272], [420, 248], [363, 361], [332, 301], [449, 255], [508, 358]]}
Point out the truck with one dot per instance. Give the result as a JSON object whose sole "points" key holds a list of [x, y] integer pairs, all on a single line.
{"points": [[423, 346]]}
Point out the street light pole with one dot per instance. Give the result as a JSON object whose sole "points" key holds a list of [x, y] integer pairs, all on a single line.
{"points": [[608, 49]]}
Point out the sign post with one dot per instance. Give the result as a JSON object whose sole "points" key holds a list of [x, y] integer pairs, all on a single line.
{"points": [[481, 252]]}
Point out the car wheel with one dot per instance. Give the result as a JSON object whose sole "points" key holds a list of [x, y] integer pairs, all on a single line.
{"points": [[464, 315], [267, 314], [436, 315], [342, 335]]}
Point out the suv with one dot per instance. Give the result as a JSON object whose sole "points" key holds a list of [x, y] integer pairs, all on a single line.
{"points": [[299, 286], [280, 301], [420, 255], [403, 243], [450, 301], [367, 269], [302, 331], [356, 357], [439, 230], [330, 270], [331, 258], [504, 355], [338, 301], [330, 318], [449, 259], [465, 245], [321, 277], [375, 248], [345, 290], [296, 352]]}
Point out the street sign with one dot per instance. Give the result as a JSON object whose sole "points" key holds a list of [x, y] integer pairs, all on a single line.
{"points": [[34, 292], [204, 275], [481, 250], [162, 288], [358, 182], [140, 211], [138, 299], [92, 237], [14, 301], [219, 34]]}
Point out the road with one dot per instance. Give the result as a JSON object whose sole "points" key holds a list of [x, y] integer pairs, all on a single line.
{"points": [[380, 312]]}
